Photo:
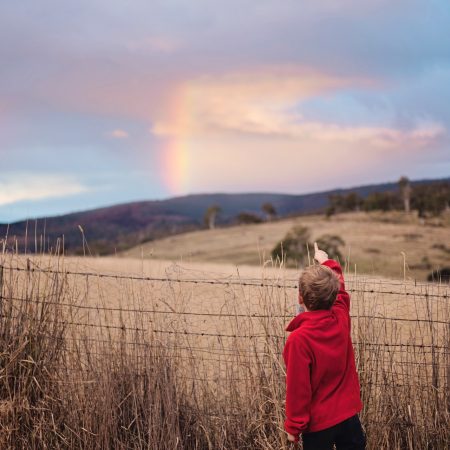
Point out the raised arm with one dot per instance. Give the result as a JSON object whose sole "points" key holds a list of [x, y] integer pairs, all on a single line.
{"points": [[343, 298]]}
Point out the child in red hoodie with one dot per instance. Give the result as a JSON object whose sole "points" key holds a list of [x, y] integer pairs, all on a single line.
{"points": [[322, 387]]}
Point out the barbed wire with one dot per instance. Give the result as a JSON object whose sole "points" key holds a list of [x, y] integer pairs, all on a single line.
{"points": [[143, 311], [401, 368], [239, 352], [267, 364], [234, 350], [360, 278], [170, 332], [42, 300], [250, 378], [230, 353], [240, 282], [262, 361]]}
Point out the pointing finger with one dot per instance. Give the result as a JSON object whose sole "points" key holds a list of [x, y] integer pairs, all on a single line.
{"points": [[316, 247]]}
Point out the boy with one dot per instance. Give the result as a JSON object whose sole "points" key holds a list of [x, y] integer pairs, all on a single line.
{"points": [[322, 387]]}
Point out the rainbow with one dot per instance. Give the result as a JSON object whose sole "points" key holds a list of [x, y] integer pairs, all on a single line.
{"points": [[175, 166], [175, 152]]}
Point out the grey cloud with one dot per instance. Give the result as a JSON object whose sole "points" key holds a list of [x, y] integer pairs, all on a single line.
{"points": [[391, 38]]}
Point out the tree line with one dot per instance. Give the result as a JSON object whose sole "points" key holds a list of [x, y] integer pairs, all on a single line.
{"points": [[430, 198], [269, 211], [426, 198]]}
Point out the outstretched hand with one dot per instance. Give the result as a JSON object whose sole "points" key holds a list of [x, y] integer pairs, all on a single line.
{"points": [[291, 438], [319, 255]]}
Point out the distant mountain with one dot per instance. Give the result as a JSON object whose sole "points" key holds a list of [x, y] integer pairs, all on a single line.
{"points": [[122, 226]]}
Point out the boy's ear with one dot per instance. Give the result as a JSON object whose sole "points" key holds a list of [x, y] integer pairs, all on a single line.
{"points": [[300, 299]]}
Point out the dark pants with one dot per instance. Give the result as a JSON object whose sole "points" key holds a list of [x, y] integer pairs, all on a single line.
{"points": [[347, 435]]}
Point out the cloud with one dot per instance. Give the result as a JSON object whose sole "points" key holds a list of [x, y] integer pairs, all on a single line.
{"points": [[156, 44], [254, 100], [118, 134], [268, 102], [82, 85], [384, 137], [23, 186]]}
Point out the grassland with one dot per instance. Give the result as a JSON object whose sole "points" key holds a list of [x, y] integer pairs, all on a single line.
{"points": [[177, 344], [374, 243], [129, 353]]}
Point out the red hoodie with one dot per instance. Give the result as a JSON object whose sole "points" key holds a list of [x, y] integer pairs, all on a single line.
{"points": [[322, 387]]}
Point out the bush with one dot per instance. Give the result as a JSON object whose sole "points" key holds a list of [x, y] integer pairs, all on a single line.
{"points": [[330, 243], [432, 198], [248, 218], [293, 247], [384, 201]]}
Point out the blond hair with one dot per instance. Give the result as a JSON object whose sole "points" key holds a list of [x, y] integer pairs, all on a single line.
{"points": [[319, 286]]}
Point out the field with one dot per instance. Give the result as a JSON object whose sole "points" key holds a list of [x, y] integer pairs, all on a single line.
{"points": [[374, 243], [129, 353]]}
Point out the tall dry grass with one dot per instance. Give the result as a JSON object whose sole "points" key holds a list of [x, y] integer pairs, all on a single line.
{"points": [[79, 370]]}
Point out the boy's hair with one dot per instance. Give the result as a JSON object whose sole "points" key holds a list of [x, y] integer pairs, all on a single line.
{"points": [[319, 286]]}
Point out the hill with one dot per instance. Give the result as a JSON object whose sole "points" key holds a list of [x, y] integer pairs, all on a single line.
{"points": [[119, 227], [373, 243]]}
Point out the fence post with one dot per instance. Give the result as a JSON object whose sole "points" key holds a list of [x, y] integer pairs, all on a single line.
{"points": [[1, 290]]}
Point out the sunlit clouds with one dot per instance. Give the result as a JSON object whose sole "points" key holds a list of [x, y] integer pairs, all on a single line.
{"points": [[271, 105], [19, 187], [231, 132], [254, 101]]}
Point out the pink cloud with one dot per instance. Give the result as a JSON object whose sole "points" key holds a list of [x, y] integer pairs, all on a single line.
{"points": [[261, 103], [118, 134], [254, 101]]}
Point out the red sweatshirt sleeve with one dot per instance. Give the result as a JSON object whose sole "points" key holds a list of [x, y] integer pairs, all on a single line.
{"points": [[343, 299], [298, 385]]}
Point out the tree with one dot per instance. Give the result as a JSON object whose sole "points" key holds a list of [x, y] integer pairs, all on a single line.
{"points": [[292, 248], [336, 203], [353, 202], [433, 198], [343, 203], [405, 191], [269, 210], [211, 216], [384, 201], [247, 218], [330, 211]]}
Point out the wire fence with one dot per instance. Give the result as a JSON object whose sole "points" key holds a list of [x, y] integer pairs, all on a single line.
{"points": [[218, 320], [239, 282], [88, 339]]}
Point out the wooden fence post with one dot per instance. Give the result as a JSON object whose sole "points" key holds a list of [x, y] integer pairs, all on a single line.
{"points": [[1, 290]]}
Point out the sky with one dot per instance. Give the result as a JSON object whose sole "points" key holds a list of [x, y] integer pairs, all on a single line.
{"points": [[107, 101]]}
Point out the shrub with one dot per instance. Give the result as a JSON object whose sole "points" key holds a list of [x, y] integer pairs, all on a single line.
{"points": [[269, 210], [331, 243], [248, 218], [293, 247]]}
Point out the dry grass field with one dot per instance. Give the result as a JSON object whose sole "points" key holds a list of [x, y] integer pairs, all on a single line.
{"points": [[374, 243], [128, 353]]}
